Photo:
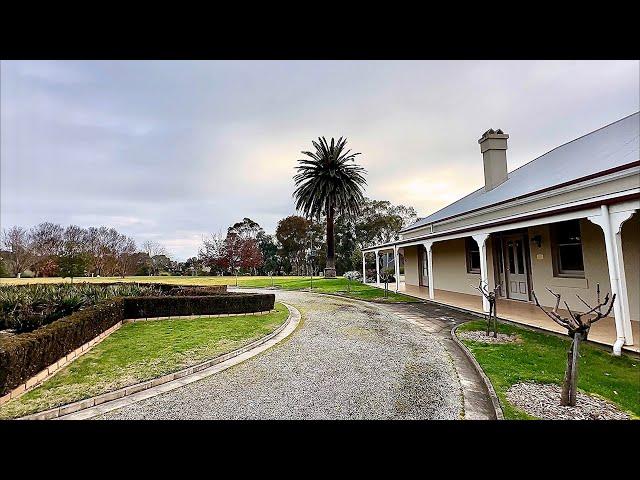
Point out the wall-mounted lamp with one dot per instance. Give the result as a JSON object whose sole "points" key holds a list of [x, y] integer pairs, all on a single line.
{"points": [[537, 239]]}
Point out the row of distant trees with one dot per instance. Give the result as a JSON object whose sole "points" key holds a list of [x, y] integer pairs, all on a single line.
{"points": [[49, 249], [247, 248]]}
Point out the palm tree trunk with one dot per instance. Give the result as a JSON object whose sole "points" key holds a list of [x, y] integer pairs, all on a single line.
{"points": [[330, 270]]}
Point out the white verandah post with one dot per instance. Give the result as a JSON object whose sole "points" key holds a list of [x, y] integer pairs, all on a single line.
{"points": [[481, 239], [611, 224], [428, 246], [378, 267], [396, 267], [364, 270]]}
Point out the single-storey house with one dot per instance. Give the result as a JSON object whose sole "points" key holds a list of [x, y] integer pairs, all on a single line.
{"points": [[567, 221]]}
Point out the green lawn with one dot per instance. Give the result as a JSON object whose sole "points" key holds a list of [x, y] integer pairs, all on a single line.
{"points": [[141, 351], [542, 358], [334, 285]]}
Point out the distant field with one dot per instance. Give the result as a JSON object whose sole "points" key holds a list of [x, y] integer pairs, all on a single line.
{"points": [[334, 285]]}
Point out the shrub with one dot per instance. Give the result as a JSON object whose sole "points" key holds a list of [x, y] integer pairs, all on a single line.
{"points": [[197, 291], [174, 306], [353, 275], [27, 274], [22, 356]]}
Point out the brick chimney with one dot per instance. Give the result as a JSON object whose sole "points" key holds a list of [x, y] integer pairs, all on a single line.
{"points": [[493, 145]]}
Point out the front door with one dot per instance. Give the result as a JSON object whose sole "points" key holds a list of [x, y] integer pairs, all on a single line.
{"points": [[516, 267]]}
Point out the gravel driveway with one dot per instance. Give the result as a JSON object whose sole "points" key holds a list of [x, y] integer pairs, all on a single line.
{"points": [[347, 360]]}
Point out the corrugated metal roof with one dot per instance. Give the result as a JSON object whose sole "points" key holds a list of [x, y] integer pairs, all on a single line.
{"points": [[609, 147]]}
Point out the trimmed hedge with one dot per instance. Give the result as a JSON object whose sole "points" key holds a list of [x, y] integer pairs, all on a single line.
{"points": [[22, 356], [148, 307], [197, 291]]}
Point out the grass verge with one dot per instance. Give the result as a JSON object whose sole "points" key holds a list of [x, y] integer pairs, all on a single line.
{"points": [[541, 358], [141, 351], [338, 285]]}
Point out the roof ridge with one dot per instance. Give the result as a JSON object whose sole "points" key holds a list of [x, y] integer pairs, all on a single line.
{"points": [[570, 141], [415, 224]]}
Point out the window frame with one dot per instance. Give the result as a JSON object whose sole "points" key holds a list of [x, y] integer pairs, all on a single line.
{"points": [[469, 249], [556, 247]]}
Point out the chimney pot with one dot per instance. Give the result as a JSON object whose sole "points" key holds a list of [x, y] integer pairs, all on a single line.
{"points": [[493, 146]]}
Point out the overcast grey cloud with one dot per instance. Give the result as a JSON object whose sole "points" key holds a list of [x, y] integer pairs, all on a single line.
{"points": [[172, 150]]}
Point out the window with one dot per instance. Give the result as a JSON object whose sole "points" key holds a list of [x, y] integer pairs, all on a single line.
{"points": [[473, 255], [567, 249]]}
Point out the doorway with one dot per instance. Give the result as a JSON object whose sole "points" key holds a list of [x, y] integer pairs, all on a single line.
{"points": [[515, 266]]}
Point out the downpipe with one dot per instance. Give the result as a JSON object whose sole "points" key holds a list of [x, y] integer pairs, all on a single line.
{"points": [[614, 279], [617, 347]]}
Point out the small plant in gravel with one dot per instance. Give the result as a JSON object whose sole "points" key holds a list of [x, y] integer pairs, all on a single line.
{"points": [[578, 326]]}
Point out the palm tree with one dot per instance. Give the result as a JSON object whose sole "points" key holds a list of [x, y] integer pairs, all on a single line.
{"points": [[330, 183]]}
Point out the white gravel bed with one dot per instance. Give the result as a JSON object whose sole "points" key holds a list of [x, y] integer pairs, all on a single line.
{"points": [[543, 401], [481, 336], [347, 360]]}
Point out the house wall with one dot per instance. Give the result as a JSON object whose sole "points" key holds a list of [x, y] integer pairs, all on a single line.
{"points": [[450, 267], [595, 268], [411, 266], [450, 270]]}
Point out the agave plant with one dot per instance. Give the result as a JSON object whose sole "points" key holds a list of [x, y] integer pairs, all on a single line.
{"points": [[27, 307]]}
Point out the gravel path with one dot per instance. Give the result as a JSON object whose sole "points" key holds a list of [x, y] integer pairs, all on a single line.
{"points": [[347, 360]]}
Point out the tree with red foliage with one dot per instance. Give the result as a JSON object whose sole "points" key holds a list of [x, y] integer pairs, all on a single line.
{"points": [[250, 255]]}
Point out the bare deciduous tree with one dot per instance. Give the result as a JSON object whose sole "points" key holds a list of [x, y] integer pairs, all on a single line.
{"points": [[18, 242], [155, 252], [46, 245], [578, 326], [492, 318]]}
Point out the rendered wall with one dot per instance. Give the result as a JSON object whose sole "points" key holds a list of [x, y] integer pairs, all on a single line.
{"points": [[411, 266], [595, 267]]}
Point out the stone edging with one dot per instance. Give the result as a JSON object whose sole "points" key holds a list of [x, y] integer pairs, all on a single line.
{"points": [[44, 375], [492, 393], [184, 375]]}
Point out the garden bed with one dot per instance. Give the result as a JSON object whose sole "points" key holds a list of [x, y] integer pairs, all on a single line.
{"points": [[26, 354], [540, 358], [142, 351], [543, 401]]}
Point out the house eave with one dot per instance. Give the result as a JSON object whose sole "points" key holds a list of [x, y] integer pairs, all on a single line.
{"points": [[532, 196]]}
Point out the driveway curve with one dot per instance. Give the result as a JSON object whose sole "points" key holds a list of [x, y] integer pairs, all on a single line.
{"points": [[347, 360]]}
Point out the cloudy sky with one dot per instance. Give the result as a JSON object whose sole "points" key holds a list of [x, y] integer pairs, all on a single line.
{"points": [[174, 150]]}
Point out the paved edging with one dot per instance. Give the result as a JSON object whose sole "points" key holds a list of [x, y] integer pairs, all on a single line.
{"points": [[492, 393], [106, 402]]}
